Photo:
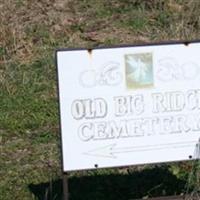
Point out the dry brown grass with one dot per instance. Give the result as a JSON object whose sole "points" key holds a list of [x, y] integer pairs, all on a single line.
{"points": [[29, 27]]}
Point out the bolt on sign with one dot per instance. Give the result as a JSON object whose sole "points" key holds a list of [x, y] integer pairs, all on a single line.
{"points": [[129, 105]]}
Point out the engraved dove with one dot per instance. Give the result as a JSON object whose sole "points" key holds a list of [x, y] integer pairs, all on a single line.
{"points": [[138, 71]]}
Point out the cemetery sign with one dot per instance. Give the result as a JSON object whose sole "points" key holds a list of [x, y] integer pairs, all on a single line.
{"points": [[129, 105]]}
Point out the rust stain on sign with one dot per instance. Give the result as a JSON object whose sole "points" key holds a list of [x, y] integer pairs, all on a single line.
{"points": [[186, 43], [90, 52]]}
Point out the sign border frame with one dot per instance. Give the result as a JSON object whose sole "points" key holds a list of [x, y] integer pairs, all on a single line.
{"points": [[173, 42]]}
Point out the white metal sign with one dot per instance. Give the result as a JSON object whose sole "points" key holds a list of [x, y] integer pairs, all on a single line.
{"points": [[129, 105]]}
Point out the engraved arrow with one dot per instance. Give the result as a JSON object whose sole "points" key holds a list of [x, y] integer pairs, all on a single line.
{"points": [[111, 151]]}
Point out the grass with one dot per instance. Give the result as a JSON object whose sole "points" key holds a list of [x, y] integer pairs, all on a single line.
{"points": [[30, 31]]}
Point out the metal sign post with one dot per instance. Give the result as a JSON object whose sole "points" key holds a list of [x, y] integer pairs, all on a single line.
{"points": [[65, 187]]}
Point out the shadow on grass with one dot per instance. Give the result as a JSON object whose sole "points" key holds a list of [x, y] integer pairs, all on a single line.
{"points": [[149, 182]]}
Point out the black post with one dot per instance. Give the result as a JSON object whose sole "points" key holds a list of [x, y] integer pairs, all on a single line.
{"points": [[65, 187]]}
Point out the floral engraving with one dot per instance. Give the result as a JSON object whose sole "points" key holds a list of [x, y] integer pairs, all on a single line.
{"points": [[170, 70], [108, 75]]}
